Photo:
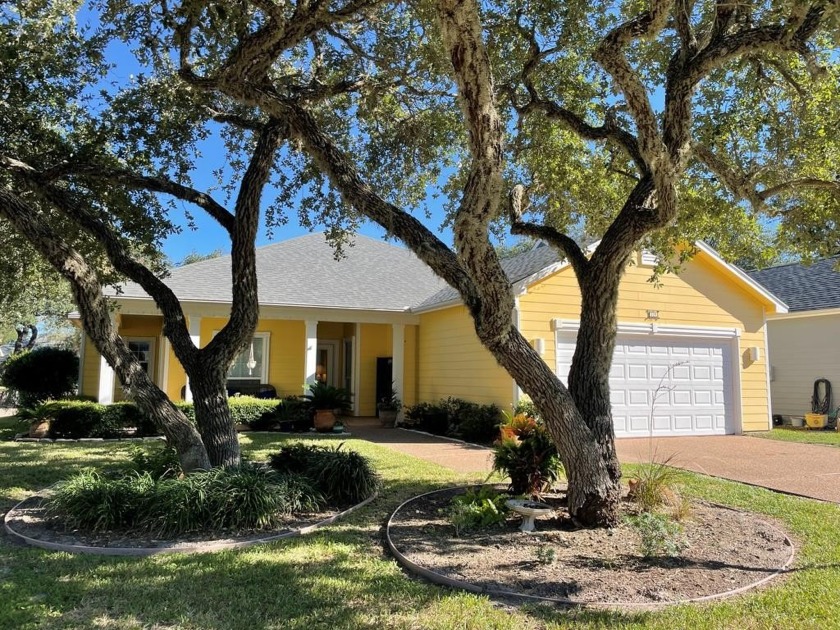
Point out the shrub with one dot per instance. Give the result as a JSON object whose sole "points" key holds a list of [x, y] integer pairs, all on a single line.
{"points": [[243, 410], [295, 414], [76, 419], [158, 462], [477, 423], [526, 407], [660, 536], [526, 453], [248, 497], [477, 508], [427, 417], [342, 476], [41, 374]]}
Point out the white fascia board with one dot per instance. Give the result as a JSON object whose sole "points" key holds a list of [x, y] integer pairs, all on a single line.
{"points": [[438, 307], [654, 329], [822, 312], [780, 306], [145, 306]]}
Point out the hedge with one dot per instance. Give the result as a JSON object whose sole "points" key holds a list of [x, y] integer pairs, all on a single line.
{"points": [[455, 417]]}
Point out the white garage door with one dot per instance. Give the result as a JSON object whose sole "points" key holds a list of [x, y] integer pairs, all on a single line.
{"points": [[695, 396]]}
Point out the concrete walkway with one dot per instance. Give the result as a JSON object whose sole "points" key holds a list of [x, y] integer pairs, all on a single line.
{"points": [[804, 469]]}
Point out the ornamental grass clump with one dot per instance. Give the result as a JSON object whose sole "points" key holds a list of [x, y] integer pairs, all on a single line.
{"points": [[344, 477], [525, 453], [223, 499]]}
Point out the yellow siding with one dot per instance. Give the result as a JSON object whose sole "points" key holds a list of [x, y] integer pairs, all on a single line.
{"points": [[702, 295], [452, 361], [177, 378], [376, 341], [90, 370], [286, 354]]}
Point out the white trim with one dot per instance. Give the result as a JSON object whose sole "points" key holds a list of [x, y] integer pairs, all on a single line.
{"points": [[767, 368], [822, 312], [310, 351], [195, 337], [780, 306], [165, 371], [153, 362], [349, 360], [105, 395], [398, 363], [331, 346], [520, 287], [439, 306], [700, 332], [357, 369], [266, 337], [82, 344]]}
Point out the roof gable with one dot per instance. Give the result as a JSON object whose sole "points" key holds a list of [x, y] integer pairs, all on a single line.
{"points": [[804, 287]]}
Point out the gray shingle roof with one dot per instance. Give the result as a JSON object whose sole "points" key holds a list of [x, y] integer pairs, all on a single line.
{"points": [[302, 271], [517, 268], [803, 287]]}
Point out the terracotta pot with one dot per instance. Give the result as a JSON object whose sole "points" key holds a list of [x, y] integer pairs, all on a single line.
{"points": [[39, 429], [324, 420]]}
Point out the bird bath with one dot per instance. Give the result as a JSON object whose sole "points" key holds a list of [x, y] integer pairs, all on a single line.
{"points": [[529, 510]]}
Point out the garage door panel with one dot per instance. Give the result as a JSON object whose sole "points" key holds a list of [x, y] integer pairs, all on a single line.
{"points": [[687, 382]]}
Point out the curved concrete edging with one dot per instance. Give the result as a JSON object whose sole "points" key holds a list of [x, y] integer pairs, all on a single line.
{"points": [[438, 578], [208, 547]]}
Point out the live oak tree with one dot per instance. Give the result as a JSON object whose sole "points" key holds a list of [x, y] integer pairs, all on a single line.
{"points": [[616, 112], [80, 182]]}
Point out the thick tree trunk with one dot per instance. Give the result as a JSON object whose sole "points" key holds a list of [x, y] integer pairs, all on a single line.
{"points": [[96, 318], [212, 415], [22, 330], [594, 491]]}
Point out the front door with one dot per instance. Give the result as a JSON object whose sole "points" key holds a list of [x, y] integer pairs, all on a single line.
{"points": [[325, 369]]}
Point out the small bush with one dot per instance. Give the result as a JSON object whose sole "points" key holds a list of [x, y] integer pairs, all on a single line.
{"points": [[477, 509], [295, 414], [243, 410], [342, 476], [660, 536], [41, 374], [526, 453], [478, 423], [427, 417], [526, 407], [77, 419]]}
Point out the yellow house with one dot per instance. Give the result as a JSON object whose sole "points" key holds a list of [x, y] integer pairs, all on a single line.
{"points": [[691, 352]]}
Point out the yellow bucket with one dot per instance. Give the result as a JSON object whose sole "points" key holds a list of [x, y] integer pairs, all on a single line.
{"points": [[816, 420]]}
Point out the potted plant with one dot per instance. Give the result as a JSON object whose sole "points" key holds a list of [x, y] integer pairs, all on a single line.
{"points": [[388, 407], [39, 418], [327, 401]]}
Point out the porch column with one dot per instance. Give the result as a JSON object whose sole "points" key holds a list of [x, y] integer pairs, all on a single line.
{"points": [[195, 336], [311, 361], [106, 375], [398, 362]]}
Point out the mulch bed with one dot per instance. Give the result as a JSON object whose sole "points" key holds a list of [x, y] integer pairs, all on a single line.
{"points": [[727, 550], [30, 520]]}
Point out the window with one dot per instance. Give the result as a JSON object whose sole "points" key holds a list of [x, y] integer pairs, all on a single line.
{"points": [[252, 363], [144, 351]]}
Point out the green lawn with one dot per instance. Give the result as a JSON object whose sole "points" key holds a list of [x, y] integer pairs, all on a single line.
{"points": [[341, 577], [806, 436]]}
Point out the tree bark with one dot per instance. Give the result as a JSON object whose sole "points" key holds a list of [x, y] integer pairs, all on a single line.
{"points": [[96, 317], [212, 415]]}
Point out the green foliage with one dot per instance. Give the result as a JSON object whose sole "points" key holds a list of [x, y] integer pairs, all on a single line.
{"points": [[41, 374], [344, 477], [248, 497], [660, 535], [545, 554], [295, 413], [457, 418], [159, 462], [255, 412], [477, 508], [526, 454], [324, 396], [76, 419], [526, 407]]}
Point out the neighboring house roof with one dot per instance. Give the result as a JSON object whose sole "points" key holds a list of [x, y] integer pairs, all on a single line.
{"points": [[804, 287], [303, 271]]}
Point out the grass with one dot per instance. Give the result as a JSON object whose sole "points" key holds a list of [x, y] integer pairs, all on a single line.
{"points": [[805, 436], [340, 577]]}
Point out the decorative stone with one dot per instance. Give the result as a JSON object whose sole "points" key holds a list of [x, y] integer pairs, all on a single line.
{"points": [[529, 510]]}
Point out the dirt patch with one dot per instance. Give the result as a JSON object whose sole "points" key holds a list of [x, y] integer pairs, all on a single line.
{"points": [[29, 519], [726, 550]]}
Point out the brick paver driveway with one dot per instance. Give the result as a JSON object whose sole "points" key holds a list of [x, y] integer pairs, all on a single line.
{"points": [[809, 470]]}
